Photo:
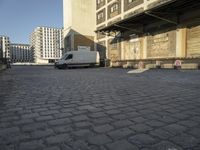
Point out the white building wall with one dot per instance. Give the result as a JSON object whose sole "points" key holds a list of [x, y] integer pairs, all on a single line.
{"points": [[79, 15], [79, 18]]}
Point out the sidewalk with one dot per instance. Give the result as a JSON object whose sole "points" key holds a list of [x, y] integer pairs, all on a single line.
{"points": [[2, 67]]}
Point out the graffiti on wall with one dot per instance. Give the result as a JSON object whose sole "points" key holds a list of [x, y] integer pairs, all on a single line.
{"points": [[162, 45]]}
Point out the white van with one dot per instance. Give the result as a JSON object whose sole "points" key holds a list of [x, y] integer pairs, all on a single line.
{"points": [[78, 59]]}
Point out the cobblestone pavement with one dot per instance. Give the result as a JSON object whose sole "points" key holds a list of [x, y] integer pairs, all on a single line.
{"points": [[42, 108]]}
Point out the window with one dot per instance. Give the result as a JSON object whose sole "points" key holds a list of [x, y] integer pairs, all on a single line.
{"points": [[70, 56], [99, 1], [130, 1], [100, 16], [114, 8]]}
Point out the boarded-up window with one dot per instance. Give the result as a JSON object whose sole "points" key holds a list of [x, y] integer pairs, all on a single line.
{"points": [[193, 42], [114, 49], [162, 45]]}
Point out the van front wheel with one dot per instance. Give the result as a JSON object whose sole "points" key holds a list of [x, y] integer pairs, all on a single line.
{"points": [[64, 66]]}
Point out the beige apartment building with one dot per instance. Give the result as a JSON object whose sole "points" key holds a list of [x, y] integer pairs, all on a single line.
{"points": [[79, 24], [151, 31], [46, 44]]}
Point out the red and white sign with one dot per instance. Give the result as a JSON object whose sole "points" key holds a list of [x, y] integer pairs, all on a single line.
{"points": [[178, 63]]}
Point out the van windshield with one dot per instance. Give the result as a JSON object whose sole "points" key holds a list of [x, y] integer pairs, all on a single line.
{"points": [[64, 56]]}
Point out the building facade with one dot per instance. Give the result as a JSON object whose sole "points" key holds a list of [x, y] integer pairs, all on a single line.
{"points": [[21, 53], [79, 24], [148, 30], [46, 44], [5, 47]]}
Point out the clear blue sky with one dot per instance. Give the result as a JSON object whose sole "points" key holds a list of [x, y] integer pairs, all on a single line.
{"points": [[18, 18]]}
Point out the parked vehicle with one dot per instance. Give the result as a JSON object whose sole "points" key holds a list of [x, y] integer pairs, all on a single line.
{"points": [[78, 59]]}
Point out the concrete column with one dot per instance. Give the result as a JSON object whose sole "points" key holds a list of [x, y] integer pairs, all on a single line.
{"points": [[122, 49], [146, 2], [181, 42], [106, 45], [122, 9], [144, 47], [72, 41]]}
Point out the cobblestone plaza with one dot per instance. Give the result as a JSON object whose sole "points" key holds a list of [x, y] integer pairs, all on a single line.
{"points": [[42, 108]]}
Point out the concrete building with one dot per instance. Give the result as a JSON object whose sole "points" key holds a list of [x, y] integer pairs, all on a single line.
{"points": [[4, 47], [79, 24], [21, 53], [47, 44], [148, 31]]}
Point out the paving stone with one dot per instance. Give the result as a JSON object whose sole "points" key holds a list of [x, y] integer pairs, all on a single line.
{"points": [[122, 145], [112, 112], [122, 123], [84, 124], [83, 133], [44, 118], [175, 129], [63, 121], [120, 133], [195, 132], [188, 123], [42, 133], [167, 119], [86, 107], [80, 118], [141, 127], [162, 134], [97, 115], [155, 123], [103, 128], [120, 116], [33, 127], [31, 115], [7, 147], [186, 141], [23, 122], [49, 112], [138, 119], [32, 145], [8, 131], [142, 139], [62, 129], [103, 120], [37, 110], [9, 119], [62, 115], [52, 148], [166, 145], [59, 138], [99, 140]]}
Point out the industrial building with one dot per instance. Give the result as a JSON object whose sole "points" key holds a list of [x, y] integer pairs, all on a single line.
{"points": [[149, 32]]}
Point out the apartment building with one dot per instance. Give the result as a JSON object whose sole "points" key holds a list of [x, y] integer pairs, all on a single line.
{"points": [[21, 53], [79, 24], [46, 44], [4, 47], [148, 30], [1, 50]]}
